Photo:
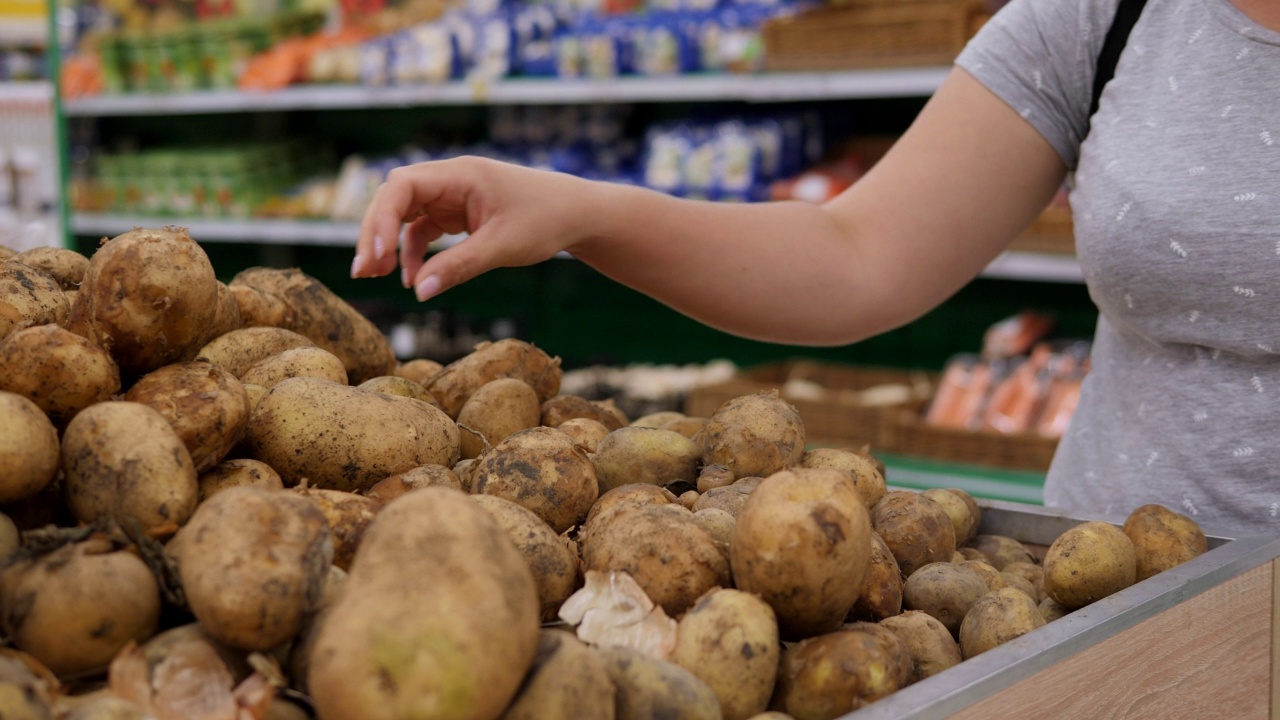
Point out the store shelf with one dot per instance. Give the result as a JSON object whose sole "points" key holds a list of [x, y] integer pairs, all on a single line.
{"points": [[33, 91], [1009, 266], [788, 87]]}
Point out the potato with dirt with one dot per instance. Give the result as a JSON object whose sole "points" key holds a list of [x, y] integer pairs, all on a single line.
{"points": [[868, 479], [226, 318], [649, 688], [310, 362], [123, 460], [419, 370], [415, 479], [664, 549], [944, 591], [348, 515], [239, 350], [404, 387], [715, 521], [916, 529], [76, 607], [454, 385], [329, 321], [552, 558], [645, 455], [1163, 539], [29, 297], [445, 623], [586, 433], [830, 675], [294, 430], [1000, 551], [65, 266], [560, 409], [29, 448], [149, 297], [496, 411], [58, 370], [995, 619], [206, 405], [729, 640], [803, 543], [932, 646], [754, 436], [1089, 562], [542, 470], [613, 502], [993, 578], [568, 680], [962, 517], [730, 498], [881, 594], [237, 472], [253, 564]]}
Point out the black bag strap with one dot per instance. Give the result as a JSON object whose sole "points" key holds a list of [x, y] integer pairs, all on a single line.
{"points": [[1127, 14]]}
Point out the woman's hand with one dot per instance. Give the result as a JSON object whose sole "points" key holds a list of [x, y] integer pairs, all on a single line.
{"points": [[513, 216]]}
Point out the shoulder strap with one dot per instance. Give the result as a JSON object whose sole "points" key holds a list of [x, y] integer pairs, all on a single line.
{"points": [[1127, 14]]}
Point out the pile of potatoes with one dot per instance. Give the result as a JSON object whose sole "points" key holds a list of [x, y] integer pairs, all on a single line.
{"points": [[230, 501]]}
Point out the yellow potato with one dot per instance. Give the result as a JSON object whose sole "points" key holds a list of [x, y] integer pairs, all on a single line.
{"points": [[995, 619], [206, 405], [58, 370], [29, 448], [65, 266], [962, 519], [881, 594], [561, 409], [419, 371], [568, 680], [1163, 539], [828, 675], [754, 436], [729, 640], [586, 433], [29, 297], [310, 362], [453, 385], [234, 473], [645, 455], [348, 515], [550, 557], [415, 479], [868, 479], [916, 529], [542, 470], [404, 387], [495, 411], [1089, 562], [944, 591], [932, 647], [649, 688], [239, 350]]}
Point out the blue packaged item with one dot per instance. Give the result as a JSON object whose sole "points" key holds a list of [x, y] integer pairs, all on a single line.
{"points": [[737, 158], [768, 137], [699, 166], [537, 58], [665, 150], [667, 44], [569, 56], [373, 62], [494, 54], [402, 59]]}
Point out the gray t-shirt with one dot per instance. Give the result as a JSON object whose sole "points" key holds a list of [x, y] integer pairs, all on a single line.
{"points": [[1177, 217]]}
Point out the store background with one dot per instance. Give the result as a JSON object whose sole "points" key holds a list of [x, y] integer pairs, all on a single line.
{"points": [[264, 125]]}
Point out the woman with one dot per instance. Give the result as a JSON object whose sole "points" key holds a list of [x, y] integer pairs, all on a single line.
{"points": [[1176, 180]]}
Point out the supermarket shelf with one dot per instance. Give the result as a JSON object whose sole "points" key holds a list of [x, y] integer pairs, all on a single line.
{"points": [[1040, 267], [34, 91], [782, 87]]}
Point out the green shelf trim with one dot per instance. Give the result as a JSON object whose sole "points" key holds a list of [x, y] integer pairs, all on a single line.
{"points": [[991, 483]]}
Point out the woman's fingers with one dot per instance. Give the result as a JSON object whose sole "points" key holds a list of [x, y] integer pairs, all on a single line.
{"points": [[473, 256], [417, 237]]}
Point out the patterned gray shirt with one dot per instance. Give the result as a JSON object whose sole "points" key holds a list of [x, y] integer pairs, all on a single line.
{"points": [[1177, 210]]}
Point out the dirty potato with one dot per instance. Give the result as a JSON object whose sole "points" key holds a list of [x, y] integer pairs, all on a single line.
{"points": [[568, 680], [730, 498], [717, 522], [550, 558], [542, 470], [453, 385], [999, 550], [1089, 562], [206, 405], [1163, 539], [881, 594], [995, 619], [65, 266], [711, 477], [29, 450], [932, 646], [58, 370], [562, 408], [962, 519], [237, 472], [29, 297], [419, 371], [404, 387], [348, 516], [754, 435], [415, 479], [495, 411], [239, 350], [645, 455], [729, 640], [916, 529], [650, 688], [944, 591], [829, 675], [868, 479], [993, 578], [310, 362], [586, 433]]}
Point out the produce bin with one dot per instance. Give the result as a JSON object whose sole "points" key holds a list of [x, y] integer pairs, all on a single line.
{"points": [[1196, 641]]}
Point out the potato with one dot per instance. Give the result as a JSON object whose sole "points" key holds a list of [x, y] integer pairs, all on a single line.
{"points": [[234, 473], [1051, 610], [239, 350], [58, 370], [392, 385], [717, 522], [453, 385], [112, 473], [969, 553], [1019, 582], [649, 688], [931, 645], [985, 572], [326, 319], [7, 252], [26, 687], [1089, 562], [260, 308], [711, 477], [690, 427], [657, 419], [348, 516], [29, 297], [1163, 539], [975, 512], [552, 561], [664, 549], [830, 675], [645, 455], [420, 370], [999, 550], [191, 637], [76, 607], [754, 435], [1032, 573], [995, 619], [294, 430], [944, 591], [962, 519], [869, 480], [562, 408], [586, 433], [731, 498], [107, 707], [729, 640], [465, 471], [254, 393], [568, 680], [149, 298], [67, 267], [226, 317], [916, 529], [495, 411], [28, 448], [543, 471], [445, 622], [253, 564], [415, 479], [803, 543], [611, 503], [206, 405], [610, 407], [881, 594], [299, 660], [310, 362], [10, 538]]}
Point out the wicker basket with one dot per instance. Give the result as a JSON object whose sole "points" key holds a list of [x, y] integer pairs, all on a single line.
{"points": [[834, 417], [876, 35], [907, 434]]}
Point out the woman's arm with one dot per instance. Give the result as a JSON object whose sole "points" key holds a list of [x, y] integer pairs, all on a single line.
{"points": [[964, 179]]}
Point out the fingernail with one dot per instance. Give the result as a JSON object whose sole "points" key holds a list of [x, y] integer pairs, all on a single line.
{"points": [[379, 247], [404, 277], [357, 264], [428, 287]]}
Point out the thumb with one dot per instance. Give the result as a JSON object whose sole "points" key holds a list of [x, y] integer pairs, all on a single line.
{"points": [[472, 256]]}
